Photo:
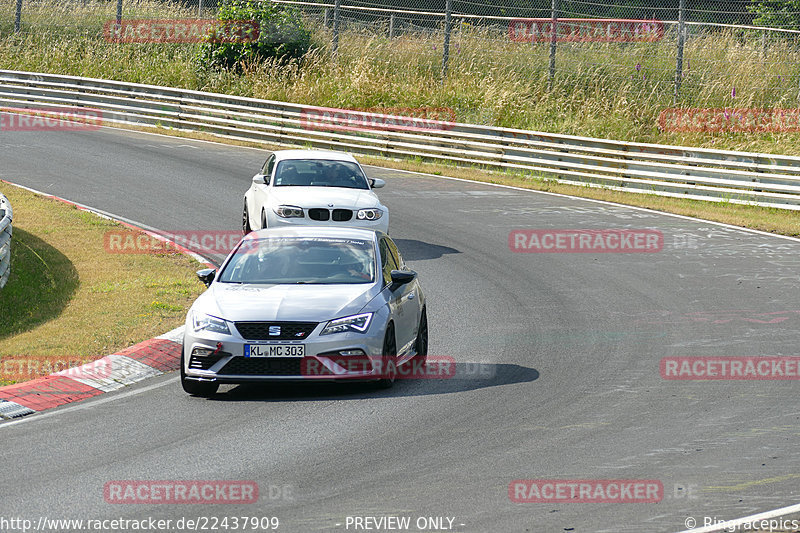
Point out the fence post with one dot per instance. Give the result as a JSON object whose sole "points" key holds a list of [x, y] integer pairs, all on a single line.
{"points": [[336, 7], [448, 22], [681, 37], [199, 8], [18, 17], [553, 40], [119, 11], [391, 25]]}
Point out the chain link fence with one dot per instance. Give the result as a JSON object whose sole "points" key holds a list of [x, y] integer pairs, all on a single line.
{"points": [[707, 53]]}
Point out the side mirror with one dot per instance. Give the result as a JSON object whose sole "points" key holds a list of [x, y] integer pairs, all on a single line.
{"points": [[401, 277], [258, 179], [206, 275], [376, 183]]}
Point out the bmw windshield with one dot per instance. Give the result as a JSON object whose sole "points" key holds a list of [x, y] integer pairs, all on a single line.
{"points": [[293, 260], [320, 173]]}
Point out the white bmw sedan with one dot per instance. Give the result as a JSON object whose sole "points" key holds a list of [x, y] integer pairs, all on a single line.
{"points": [[313, 187]]}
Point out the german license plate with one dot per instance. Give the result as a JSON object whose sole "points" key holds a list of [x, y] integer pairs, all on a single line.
{"points": [[274, 350]]}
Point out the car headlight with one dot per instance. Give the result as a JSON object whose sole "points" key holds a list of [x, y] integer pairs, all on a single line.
{"points": [[289, 211], [205, 322], [357, 323], [369, 214]]}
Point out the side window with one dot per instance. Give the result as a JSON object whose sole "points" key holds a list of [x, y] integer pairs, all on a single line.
{"points": [[266, 170], [388, 262], [396, 253]]}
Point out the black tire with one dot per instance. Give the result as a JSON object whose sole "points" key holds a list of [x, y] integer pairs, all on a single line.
{"points": [[197, 388], [388, 359], [421, 345], [246, 220]]}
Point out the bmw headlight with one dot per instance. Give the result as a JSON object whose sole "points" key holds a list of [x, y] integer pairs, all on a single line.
{"points": [[369, 214], [357, 323], [203, 322], [289, 211]]}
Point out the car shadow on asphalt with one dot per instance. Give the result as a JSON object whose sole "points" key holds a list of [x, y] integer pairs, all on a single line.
{"points": [[413, 250], [467, 377]]}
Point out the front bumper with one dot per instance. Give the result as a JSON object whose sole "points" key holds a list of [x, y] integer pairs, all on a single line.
{"points": [[382, 224], [221, 358]]}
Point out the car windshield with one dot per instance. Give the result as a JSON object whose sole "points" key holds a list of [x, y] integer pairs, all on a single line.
{"points": [[292, 260], [319, 173]]}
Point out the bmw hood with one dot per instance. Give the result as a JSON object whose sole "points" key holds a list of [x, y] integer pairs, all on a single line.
{"points": [[306, 303], [309, 197]]}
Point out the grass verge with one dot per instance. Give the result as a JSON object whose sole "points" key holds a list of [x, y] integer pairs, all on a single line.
{"points": [[68, 301]]}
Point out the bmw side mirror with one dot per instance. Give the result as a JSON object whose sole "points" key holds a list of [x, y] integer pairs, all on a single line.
{"points": [[207, 275], [258, 179], [401, 277], [376, 183]]}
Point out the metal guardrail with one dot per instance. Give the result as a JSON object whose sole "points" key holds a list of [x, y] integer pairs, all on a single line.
{"points": [[696, 173], [6, 214]]}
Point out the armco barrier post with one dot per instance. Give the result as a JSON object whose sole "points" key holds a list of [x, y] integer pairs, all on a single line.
{"points": [[336, 7], [553, 40], [681, 38], [448, 25], [18, 17]]}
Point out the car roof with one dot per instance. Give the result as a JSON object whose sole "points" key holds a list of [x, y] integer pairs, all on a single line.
{"points": [[317, 231], [325, 155]]}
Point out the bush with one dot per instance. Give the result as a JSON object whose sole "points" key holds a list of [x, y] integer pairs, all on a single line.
{"points": [[281, 35]]}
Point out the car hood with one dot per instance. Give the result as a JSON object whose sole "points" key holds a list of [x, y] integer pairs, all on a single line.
{"points": [[306, 303], [322, 196]]}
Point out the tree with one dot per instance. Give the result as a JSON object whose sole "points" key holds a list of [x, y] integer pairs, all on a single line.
{"points": [[776, 13], [278, 32]]}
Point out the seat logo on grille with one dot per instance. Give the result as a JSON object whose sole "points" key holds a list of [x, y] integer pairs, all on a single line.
{"points": [[274, 331]]}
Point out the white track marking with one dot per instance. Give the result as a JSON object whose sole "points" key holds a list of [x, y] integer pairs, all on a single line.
{"points": [[87, 404]]}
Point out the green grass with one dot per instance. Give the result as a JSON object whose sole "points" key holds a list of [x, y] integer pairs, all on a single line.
{"points": [[42, 283], [69, 301], [611, 90]]}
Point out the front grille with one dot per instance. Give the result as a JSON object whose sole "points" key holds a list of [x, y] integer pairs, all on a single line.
{"points": [[342, 215], [289, 331], [339, 215], [263, 366], [204, 362], [319, 214]]}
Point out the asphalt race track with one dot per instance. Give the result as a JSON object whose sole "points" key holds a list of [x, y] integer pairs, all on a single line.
{"points": [[558, 367]]}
